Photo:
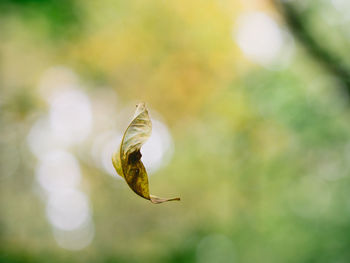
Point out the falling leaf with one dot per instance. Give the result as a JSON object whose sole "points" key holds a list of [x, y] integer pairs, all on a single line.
{"points": [[127, 162]]}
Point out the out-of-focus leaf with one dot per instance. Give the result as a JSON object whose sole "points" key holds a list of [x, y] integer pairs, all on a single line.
{"points": [[127, 161]]}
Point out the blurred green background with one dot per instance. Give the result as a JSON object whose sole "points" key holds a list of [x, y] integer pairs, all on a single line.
{"points": [[250, 106]]}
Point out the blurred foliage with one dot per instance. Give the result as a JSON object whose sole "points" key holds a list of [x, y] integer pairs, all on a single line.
{"points": [[310, 33], [261, 160], [60, 16]]}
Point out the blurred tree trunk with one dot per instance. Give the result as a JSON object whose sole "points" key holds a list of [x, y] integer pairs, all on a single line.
{"points": [[296, 22]]}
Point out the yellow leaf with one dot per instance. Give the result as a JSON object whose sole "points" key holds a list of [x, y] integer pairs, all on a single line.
{"points": [[127, 162]]}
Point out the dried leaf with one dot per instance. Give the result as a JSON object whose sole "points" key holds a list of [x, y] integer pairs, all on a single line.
{"points": [[127, 162]]}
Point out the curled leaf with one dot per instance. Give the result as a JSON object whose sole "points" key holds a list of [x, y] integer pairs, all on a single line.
{"points": [[127, 162]]}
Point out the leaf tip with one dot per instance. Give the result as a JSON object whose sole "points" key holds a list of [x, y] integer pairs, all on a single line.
{"points": [[158, 200]]}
